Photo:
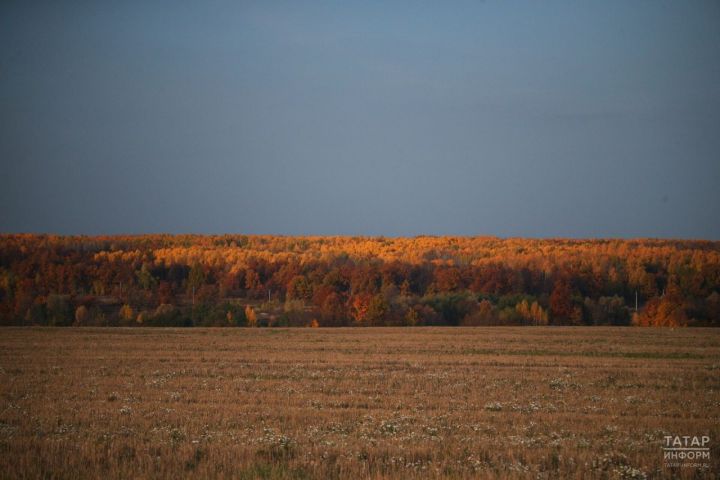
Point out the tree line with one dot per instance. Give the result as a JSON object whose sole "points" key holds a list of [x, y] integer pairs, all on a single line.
{"points": [[239, 280]]}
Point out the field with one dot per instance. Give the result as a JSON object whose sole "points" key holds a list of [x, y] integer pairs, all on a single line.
{"points": [[541, 402]]}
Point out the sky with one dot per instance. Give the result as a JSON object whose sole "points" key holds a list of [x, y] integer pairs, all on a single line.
{"points": [[506, 118]]}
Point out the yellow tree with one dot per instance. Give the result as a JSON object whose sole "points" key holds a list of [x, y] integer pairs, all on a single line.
{"points": [[251, 316], [81, 315], [126, 312], [538, 315]]}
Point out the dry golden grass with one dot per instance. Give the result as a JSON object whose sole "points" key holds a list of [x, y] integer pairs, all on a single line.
{"points": [[355, 403]]}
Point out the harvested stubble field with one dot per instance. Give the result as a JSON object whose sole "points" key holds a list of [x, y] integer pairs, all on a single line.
{"points": [[355, 403]]}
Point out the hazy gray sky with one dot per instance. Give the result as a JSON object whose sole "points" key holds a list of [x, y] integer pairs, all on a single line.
{"points": [[380, 118]]}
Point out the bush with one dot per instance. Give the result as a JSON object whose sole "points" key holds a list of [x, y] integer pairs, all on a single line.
{"points": [[59, 311], [452, 307]]}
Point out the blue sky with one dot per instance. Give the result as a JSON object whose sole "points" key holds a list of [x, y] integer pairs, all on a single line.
{"points": [[541, 119]]}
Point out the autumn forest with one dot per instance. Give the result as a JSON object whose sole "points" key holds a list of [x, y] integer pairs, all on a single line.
{"points": [[238, 280]]}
